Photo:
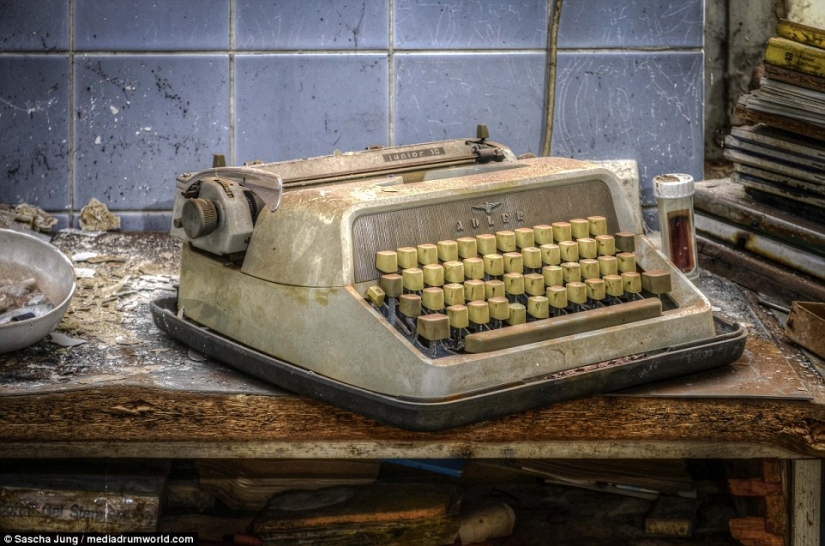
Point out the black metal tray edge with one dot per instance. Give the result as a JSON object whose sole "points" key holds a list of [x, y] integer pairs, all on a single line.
{"points": [[440, 414]]}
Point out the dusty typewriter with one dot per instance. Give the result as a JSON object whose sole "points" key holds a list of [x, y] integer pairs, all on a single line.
{"points": [[432, 285]]}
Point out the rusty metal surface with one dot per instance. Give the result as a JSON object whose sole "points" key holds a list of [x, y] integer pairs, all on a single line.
{"points": [[806, 326]]}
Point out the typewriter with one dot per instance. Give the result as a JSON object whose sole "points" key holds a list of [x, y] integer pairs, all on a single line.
{"points": [[432, 285]]}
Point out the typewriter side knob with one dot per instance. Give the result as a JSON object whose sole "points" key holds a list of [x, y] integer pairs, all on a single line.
{"points": [[199, 217]]}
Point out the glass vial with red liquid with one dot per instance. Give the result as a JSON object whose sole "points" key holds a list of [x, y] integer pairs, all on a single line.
{"points": [[674, 197]]}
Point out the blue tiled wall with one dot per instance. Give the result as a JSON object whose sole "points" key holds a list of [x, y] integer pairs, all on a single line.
{"points": [[113, 98]]}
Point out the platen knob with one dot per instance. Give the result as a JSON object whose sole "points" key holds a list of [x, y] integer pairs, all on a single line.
{"points": [[199, 217]]}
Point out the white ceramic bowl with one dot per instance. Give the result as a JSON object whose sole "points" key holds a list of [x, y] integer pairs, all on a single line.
{"points": [[24, 256]]}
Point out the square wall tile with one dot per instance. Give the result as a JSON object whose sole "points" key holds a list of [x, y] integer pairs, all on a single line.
{"points": [[292, 106], [642, 106], [647, 23], [126, 25], [284, 25], [142, 120], [440, 96], [471, 24], [34, 122], [34, 26]]}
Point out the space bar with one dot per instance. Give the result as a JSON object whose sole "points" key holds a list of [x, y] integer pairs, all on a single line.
{"points": [[565, 325]]}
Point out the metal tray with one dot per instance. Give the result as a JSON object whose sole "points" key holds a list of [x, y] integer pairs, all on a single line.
{"points": [[439, 414]]}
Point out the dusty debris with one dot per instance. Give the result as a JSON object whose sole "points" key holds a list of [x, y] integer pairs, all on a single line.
{"points": [[27, 217], [96, 217]]}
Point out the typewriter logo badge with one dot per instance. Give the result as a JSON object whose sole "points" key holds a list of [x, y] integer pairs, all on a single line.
{"points": [[487, 207]]}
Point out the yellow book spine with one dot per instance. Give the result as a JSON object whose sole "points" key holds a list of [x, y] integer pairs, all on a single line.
{"points": [[803, 34], [795, 56]]}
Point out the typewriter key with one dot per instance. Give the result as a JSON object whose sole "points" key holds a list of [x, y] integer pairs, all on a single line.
{"points": [[486, 243], [479, 314], [656, 282], [499, 311], [557, 297], [632, 285], [493, 288], [597, 225], [626, 261], [576, 297], [392, 285], [532, 259], [553, 275], [376, 296], [608, 265], [447, 250], [595, 293], [579, 228], [550, 254], [493, 265], [453, 294], [518, 314], [432, 299], [467, 247], [534, 284], [474, 290], [625, 242], [413, 279], [614, 289], [538, 307], [514, 287], [606, 245], [589, 268], [386, 261], [427, 253], [453, 271], [407, 257], [543, 234], [505, 241], [525, 238], [587, 248], [569, 251], [561, 232], [459, 316], [513, 262], [433, 274], [571, 272], [473, 268]]}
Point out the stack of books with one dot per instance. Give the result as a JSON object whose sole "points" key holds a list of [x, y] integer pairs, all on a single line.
{"points": [[770, 219]]}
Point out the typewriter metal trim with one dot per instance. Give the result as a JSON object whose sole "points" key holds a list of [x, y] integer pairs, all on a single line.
{"points": [[294, 295]]}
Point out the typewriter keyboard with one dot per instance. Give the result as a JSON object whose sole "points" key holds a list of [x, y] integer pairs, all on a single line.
{"points": [[497, 290]]}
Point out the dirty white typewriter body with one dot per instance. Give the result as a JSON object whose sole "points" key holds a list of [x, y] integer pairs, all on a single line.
{"points": [[285, 269]]}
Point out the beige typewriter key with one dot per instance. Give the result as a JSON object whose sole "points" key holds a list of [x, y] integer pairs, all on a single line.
{"points": [[625, 242], [553, 275], [459, 316], [632, 285], [392, 284], [474, 290], [427, 253], [447, 250], [534, 284], [486, 243], [557, 296], [506, 241], [499, 311], [543, 234], [569, 251], [589, 268], [433, 327], [453, 294], [493, 265], [514, 285], [576, 296], [657, 282], [479, 314], [606, 245], [513, 262], [453, 271], [407, 257], [525, 237], [538, 307], [579, 228], [493, 288], [550, 254], [608, 265], [432, 299], [595, 292], [473, 268], [626, 261], [588, 248], [598, 225], [532, 259], [409, 305], [518, 314], [433, 274], [613, 286], [571, 272], [413, 279], [386, 261], [467, 247], [561, 232], [376, 295]]}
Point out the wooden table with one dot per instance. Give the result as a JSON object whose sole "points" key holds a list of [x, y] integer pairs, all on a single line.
{"points": [[129, 391]]}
